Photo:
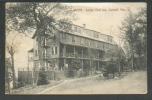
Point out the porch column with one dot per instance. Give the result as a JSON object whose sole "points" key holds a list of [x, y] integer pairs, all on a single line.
{"points": [[82, 59], [64, 61], [98, 65], [90, 67], [82, 53], [64, 50], [64, 55], [98, 54], [74, 51]]}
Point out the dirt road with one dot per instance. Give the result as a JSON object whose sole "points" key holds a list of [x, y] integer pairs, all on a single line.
{"points": [[134, 83]]}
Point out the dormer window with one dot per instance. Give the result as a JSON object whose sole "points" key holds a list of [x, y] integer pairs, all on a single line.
{"points": [[79, 30], [96, 35]]}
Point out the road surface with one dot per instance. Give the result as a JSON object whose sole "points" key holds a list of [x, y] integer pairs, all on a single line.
{"points": [[134, 83]]}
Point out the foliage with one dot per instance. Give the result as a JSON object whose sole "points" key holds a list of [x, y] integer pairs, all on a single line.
{"points": [[74, 66], [30, 17], [8, 73], [134, 27], [24, 17], [110, 68], [12, 48], [42, 79]]}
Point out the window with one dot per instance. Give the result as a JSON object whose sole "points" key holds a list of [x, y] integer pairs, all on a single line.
{"points": [[75, 29], [80, 40], [63, 36], [83, 41], [96, 35], [109, 39], [36, 53], [88, 33], [103, 45], [42, 41], [45, 41], [89, 43], [73, 39], [79, 30], [44, 54], [67, 37], [54, 50], [96, 44], [102, 36]]}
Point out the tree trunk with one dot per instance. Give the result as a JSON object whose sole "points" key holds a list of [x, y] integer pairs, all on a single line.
{"points": [[13, 70], [8, 83], [7, 79], [132, 59], [119, 66]]}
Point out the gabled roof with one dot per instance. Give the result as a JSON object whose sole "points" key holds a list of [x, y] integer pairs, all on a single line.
{"points": [[82, 31]]}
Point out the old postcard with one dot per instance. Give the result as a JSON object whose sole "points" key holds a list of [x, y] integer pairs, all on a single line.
{"points": [[76, 48]]}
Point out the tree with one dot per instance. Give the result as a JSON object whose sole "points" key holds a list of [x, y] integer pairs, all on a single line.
{"points": [[8, 73], [134, 28], [12, 46], [33, 17], [110, 68], [24, 17], [141, 28], [42, 80], [12, 49]]}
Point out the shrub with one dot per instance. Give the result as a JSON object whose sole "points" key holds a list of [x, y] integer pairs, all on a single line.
{"points": [[42, 79]]}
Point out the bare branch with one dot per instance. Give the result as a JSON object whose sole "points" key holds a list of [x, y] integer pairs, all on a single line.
{"points": [[47, 13]]}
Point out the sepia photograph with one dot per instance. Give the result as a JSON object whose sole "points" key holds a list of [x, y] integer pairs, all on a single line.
{"points": [[75, 48]]}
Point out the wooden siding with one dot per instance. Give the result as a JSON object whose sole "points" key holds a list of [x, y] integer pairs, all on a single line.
{"points": [[84, 32], [70, 39]]}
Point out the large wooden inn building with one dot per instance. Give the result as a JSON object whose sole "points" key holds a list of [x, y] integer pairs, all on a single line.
{"points": [[72, 47]]}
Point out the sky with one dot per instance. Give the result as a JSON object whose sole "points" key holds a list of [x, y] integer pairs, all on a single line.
{"points": [[103, 17]]}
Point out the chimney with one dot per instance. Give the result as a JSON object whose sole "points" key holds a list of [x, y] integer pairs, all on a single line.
{"points": [[84, 25]]}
